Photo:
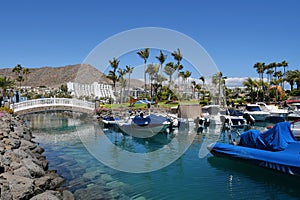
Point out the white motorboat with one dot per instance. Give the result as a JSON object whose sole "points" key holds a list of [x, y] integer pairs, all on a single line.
{"points": [[211, 114], [144, 127], [294, 111], [295, 126], [233, 118], [256, 112], [276, 114]]}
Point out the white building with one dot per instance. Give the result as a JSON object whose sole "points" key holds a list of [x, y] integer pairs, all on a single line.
{"points": [[90, 90]]}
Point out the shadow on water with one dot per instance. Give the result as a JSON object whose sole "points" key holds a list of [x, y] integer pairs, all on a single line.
{"points": [[138, 145], [285, 183]]}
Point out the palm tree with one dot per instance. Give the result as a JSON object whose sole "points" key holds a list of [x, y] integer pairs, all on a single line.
{"points": [[278, 79], [269, 74], [152, 70], [145, 55], [193, 83], [202, 78], [17, 69], [297, 79], [129, 71], [169, 69], [26, 72], [122, 73], [249, 84], [5, 83], [161, 58], [290, 77], [260, 68], [198, 88], [177, 55], [112, 75], [186, 75], [284, 64]]}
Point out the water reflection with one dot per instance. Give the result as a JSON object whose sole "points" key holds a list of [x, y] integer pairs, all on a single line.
{"points": [[263, 179], [188, 177]]}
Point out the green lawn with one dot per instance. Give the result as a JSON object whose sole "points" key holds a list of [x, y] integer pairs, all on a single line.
{"points": [[163, 104]]}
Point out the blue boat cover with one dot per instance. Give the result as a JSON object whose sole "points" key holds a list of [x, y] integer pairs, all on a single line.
{"points": [[233, 112], [153, 119], [274, 139]]}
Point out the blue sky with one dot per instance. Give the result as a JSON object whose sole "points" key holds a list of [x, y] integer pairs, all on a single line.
{"points": [[236, 34]]}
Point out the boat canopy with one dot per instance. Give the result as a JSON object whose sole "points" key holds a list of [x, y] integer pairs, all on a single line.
{"points": [[274, 139], [150, 119], [253, 108]]}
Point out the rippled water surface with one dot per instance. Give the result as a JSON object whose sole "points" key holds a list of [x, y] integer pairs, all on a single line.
{"points": [[189, 177]]}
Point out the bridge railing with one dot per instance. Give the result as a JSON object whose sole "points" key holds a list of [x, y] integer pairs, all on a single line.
{"points": [[52, 102]]}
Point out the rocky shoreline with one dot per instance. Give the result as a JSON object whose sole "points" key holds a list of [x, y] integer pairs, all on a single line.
{"points": [[24, 170]]}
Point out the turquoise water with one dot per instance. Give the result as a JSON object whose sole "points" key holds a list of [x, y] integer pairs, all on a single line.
{"points": [[189, 177]]}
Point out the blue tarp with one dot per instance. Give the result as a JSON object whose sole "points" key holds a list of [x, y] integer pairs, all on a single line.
{"points": [[274, 139], [153, 119]]}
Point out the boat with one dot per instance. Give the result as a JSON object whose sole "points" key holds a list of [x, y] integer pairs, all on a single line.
{"points": [[276, 114], [295, 126], [294, 111], [276, 148], [141, 126], [109, 121], [256, 112], [211, 115], [233, 118]]}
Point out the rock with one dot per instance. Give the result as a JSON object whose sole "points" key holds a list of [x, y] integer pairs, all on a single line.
{"points": [[90, 175], [34, 169], [15, 164], [6, 141], [45, 164], [27, 144], [106, 178], [5, 191], [20, 187], [5, 159], [117, 185], [92, 193], [56, 182], [2, 150], [38, 150], [48, 195], [15, 143], [67, 195], [8, 147], [43, 182], [22, 171], [21, 154], [114, 194]]}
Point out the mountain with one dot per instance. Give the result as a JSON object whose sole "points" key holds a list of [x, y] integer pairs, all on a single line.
{"points": [[54, 77]]}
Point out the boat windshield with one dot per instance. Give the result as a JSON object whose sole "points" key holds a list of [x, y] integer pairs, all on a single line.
{"points": [[253, 108]]}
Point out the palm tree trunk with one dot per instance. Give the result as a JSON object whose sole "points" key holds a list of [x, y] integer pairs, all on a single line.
{"points": [[283, 77], [145, 79]]}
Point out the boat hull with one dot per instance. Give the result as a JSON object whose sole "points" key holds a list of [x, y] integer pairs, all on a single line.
{"points": [[258, 116], [142, 131], [286, 161]]}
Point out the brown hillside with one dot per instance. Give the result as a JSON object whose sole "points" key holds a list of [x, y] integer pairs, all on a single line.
{"points": [[56, 76]]}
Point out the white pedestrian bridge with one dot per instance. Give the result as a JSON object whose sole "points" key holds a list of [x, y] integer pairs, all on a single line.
{"points": [[53, 104]]}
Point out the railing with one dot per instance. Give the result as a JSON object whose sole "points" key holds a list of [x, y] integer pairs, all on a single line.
{"points": [[36, 103]]}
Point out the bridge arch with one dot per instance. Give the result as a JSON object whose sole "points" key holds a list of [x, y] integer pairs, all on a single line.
{"points": [[53, 104]]}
